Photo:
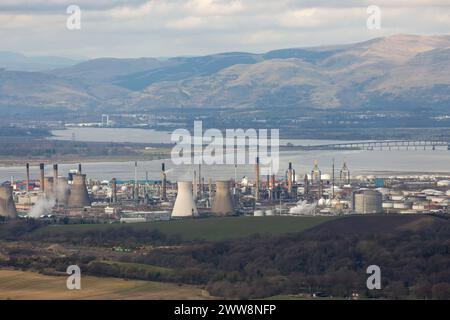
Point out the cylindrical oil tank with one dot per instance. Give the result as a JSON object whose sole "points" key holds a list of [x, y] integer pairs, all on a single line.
{"points": [[222, 203], [397, 197], [7, 206], [184, 204], [367, 201], [402, 205], [258, 213], [388, 205]]}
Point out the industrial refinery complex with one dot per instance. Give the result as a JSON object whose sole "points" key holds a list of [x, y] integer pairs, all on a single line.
{"points": [[312, 193]]}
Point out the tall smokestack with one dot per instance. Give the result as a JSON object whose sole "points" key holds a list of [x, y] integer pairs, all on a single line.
{"points": [[41, 168], [202, 191], [164, 182], [257, 179], [55, 177], [136, 186], [332, 177], [306, 183], [290, 179], [210, 190], [195, 190], [28, 176], [114, 190], [200, 186], [272, 190]]}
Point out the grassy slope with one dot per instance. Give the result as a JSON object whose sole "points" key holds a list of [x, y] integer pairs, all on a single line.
{"points": [[29, 285], [213, 228]]}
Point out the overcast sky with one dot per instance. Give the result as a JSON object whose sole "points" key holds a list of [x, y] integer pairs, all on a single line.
{"points": [[158, 28]]}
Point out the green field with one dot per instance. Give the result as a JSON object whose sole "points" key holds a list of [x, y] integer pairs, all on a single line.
{"points": [[27, 285], [209, 228]]}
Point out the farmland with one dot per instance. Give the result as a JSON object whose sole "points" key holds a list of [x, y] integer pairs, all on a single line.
{"points": [[30, 286]]}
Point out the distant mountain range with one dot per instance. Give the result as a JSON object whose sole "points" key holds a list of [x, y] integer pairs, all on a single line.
{"points": [[401, 72], [19, 62]]}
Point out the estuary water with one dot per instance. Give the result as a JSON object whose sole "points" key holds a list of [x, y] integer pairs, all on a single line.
{"points": [[379, 163]]}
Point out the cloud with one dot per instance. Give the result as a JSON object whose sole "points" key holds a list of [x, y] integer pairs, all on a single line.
{"points": [[135, 28]]}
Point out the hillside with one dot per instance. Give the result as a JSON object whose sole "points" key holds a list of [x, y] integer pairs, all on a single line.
{"points": [[396, 73], [24, 285]]}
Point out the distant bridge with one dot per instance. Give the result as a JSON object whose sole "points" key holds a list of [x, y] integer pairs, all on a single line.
{"points": [[377, 145]]}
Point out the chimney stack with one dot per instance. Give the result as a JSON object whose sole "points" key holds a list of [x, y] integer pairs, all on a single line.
{"points": [[28, 176], [195, 189], [200, 186], [136, 185], [257, 180], [55, 177], [114, 190], [290, 179], [41, 168], [164, 182], [272, 190]]}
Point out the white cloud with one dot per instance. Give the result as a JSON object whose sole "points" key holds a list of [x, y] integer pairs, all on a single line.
{"points": [[179, 27]]}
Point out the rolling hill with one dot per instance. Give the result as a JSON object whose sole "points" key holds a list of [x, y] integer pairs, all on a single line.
{"points": [[396, 73]]}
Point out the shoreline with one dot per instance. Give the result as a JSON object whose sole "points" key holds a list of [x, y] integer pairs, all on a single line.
{"points": [[7, 163]]}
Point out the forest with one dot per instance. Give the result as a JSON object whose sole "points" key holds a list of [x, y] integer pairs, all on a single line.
{"points": [[331, 259]]}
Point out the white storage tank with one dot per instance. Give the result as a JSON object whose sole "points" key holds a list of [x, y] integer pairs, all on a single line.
{"points": [[258, 213], [367, 201], [388, 205]]}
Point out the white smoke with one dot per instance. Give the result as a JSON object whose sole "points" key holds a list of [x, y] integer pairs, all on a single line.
{"points": [[41, 207], [304, 208]]}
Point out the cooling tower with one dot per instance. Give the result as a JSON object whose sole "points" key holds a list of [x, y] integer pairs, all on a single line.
{"points": [[62, 191], [7, 206], [79, 196], [184, 204], [49, 190], [223, 203]]}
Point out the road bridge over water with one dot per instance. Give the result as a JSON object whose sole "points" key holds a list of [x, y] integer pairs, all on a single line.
{"points": [[377, 145]]}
